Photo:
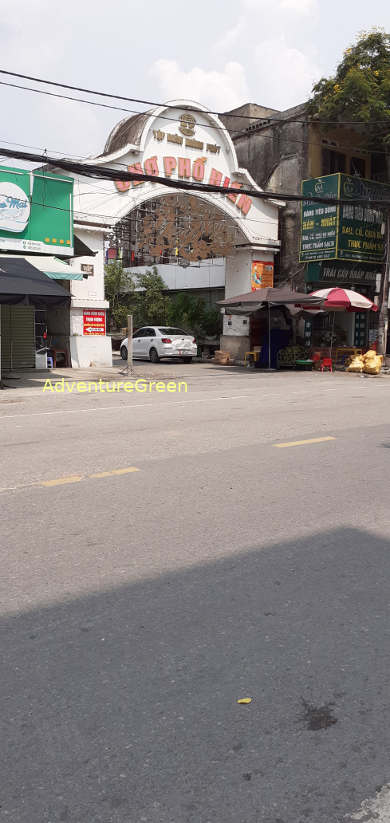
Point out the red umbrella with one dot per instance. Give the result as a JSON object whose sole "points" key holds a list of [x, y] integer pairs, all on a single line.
{"points": [[338, 299]]}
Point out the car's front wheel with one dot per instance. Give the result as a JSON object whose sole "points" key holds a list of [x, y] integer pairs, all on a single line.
{"points": [[153, 356], [123, 352], [187, 359]]}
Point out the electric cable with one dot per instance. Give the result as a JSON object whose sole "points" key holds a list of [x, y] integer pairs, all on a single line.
{"points": [[167, 105], [108, 173], [211, 125]]}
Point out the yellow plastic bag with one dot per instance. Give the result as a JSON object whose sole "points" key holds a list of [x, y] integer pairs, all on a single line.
{"points": [[373, 365], [356, 364], [369, 356]]}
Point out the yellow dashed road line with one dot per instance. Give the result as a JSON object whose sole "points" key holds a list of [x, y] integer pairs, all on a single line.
{"points": [[114, 472], [302, 442], [60, 481], [75, 478]]}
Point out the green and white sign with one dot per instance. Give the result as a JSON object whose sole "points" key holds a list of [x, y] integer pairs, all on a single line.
{"points": [[319, 221], [348, 232], [337, 272], [36, 212]]}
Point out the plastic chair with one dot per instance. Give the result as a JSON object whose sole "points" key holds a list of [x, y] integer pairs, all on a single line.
{"points": [[316, 358], [327, 363], [252, 356]]}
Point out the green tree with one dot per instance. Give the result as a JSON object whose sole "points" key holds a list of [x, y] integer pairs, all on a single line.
{"points": [[118, 289], [186, 311], [143, 296], [192, 314], [359, 91], [212, 321], [150, 305]]}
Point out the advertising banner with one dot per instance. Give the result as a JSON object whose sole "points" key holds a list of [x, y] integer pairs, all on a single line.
{"points": [[319, 221], [262, 275], [347, 232], [36, 212], [360, 234], [94, 321], [337, 272]]}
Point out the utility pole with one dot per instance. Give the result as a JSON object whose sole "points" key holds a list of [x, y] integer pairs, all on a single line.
{"points": [[384, 293], [129, 344]]}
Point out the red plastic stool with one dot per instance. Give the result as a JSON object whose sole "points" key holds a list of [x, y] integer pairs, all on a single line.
{"points": [[327, 363]]}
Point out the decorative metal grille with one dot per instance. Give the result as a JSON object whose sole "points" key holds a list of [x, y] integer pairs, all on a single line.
{"points": [[174, 229]]}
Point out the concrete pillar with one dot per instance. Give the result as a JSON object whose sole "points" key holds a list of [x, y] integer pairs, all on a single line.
{"points": [[235, 337]]}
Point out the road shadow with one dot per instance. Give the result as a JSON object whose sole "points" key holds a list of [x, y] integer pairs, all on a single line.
{"points": [[121, 707]]}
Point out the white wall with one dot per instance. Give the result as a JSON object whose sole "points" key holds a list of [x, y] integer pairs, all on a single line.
{"points": [[89, 350], [91, 288], [235, 337], [234, 325], [208, 275], [238, 270], [238, 273]]}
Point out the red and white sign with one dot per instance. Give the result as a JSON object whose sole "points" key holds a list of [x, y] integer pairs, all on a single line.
{"points": [[185, 169], [94, 321]]}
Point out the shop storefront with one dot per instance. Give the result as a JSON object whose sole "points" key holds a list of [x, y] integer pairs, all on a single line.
{"points": [[48, 276], [25, 293], [357, 329], [17, 337], [343, 245]]}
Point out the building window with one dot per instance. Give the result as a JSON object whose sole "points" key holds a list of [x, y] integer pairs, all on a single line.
{"points": [[333, 161], [379, 168], [358, 166]]}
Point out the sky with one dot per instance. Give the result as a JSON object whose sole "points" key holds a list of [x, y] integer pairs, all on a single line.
{"points": [[221, 53]]}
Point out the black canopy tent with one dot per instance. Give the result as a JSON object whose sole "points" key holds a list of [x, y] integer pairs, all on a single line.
{"points": [[21, 283], [253, 301]]}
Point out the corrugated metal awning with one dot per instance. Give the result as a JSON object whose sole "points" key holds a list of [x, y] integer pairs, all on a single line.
{"points": [[51, 266], [54, 268]]}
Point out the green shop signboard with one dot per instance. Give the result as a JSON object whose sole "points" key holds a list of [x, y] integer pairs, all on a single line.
{"points": [[319, 221], [36, 212], [348, 232], [337, 272]]}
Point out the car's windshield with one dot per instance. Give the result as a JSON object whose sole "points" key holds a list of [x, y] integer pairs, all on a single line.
{"points": [[173, 331]]}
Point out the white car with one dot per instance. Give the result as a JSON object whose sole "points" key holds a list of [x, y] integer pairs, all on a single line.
{"points": [[154, 342]]}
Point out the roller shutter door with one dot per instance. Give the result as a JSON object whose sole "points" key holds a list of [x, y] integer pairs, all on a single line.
{"points": [[5, 337], [17, 337]]}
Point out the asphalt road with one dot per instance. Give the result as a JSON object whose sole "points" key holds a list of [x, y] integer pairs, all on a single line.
{"points": [[161, 558]]}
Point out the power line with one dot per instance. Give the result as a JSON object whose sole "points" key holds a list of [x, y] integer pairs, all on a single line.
{"points": [[111, 195], [91, 170], [224, 129], [78, 214], [107, 105], [170, 106], [28, 146]]}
